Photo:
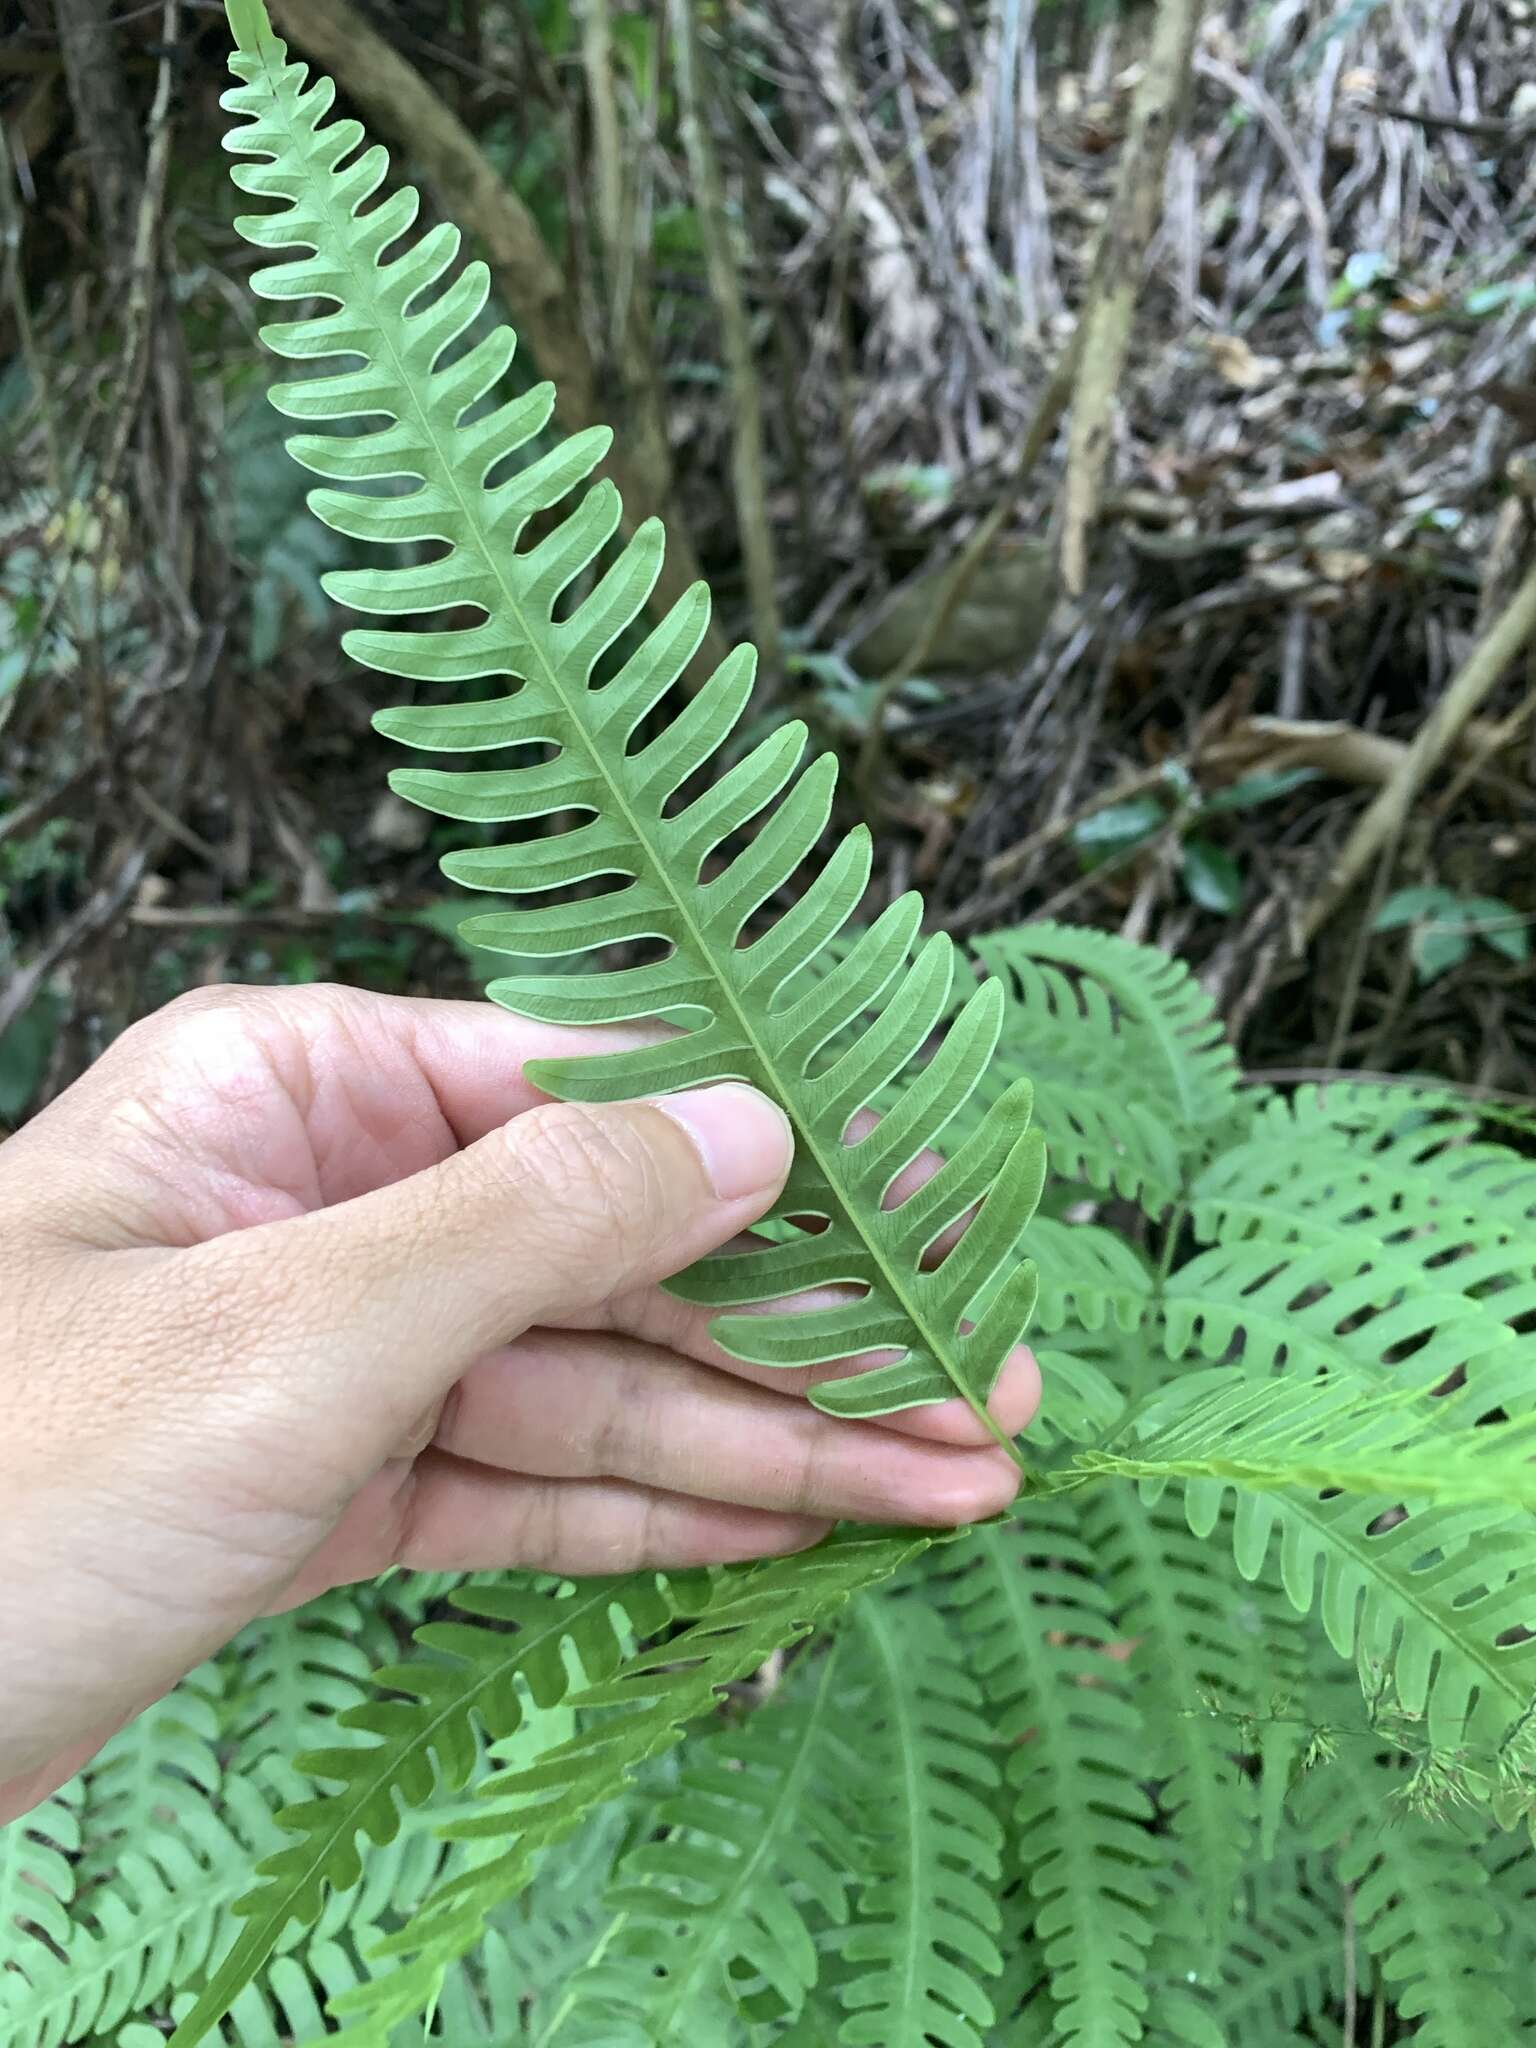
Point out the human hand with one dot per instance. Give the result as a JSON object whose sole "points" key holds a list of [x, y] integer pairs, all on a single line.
{"points": [[299, 1284]]}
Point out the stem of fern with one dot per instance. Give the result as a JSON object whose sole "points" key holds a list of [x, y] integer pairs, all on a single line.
{"points": [[995, 1429], [1160, 1279]]}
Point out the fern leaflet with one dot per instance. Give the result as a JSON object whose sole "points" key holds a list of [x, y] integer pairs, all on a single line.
{"points": [[1421, 1900], [574, 1650], [924, 1931], [1028, 1600], [753, 1839], [1134, 1080]]}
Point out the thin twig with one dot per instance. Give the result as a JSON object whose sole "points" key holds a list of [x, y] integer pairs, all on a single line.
{"points": [[1105, 327], [748, 472], [1485, 667], [17, 996]]}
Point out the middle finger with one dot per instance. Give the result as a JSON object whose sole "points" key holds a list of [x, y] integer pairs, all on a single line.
{"points": [[567, 1405]]}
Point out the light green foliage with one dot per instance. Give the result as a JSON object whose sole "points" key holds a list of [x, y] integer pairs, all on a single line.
{"points": [[1236, 1703], [1203, 1645], [751, 1843], [1282, 1959], [1324, 1433], [1133, 1077], [1037, 1625], [923, 1943], [1424, 1907]]}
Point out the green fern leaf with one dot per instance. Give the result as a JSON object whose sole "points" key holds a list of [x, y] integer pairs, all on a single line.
{"points": [[1092, 1279], [295, 1674], [553, 1931], [1281, 1964], [164, 1839], [1197, 1639], [1134, 1079], [1083, 1397], [1389, 1232], [1422, 1901], [923, 1940], [426, 1741], [574, 1650], [161, 1773], [1327, 1310], [395, 317], [1435, 1600], [1028, 1601], [754, 1832], [147, 1926], [1020, 1996], [37, 1884], [1325, 1435], [1510, 1861]]}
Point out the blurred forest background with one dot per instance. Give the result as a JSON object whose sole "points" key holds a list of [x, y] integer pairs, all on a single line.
{"points": [[1114, 422]]}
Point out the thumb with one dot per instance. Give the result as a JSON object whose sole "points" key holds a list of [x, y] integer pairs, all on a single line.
{"points": [[385, 1300]]}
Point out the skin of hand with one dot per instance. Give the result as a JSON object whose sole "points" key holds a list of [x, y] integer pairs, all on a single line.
{"points": [[299, 1284]]}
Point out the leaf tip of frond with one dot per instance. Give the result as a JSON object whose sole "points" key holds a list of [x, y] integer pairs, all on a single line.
{"points": [[250, 25], [1018, 1101]]}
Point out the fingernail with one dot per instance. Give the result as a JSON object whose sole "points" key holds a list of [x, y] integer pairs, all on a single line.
{"points": [[743, 1139]]}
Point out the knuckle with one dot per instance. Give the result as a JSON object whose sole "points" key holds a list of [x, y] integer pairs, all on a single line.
{"points": [[199, 1029], [202, 1015], [211, 1007]]}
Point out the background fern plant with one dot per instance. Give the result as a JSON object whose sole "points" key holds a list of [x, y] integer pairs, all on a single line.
{"points": [[1226, 1733]]}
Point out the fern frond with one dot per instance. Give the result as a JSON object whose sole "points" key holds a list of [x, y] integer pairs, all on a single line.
{"points": [[754, 1834], [923, 1938], [1438, 1602], [1080, 1400], [425, 1742], [160, 1773], [685, 878], [1197, 1637], [1280, 1967], [1397, 1201], [555, 1928], [295, 1674], [1326, 1435], [168, 1823], [1020, 1996], [37, 1883], [150, 1924], [1510, 1861], [1383, 1108], [1422, 1901], [1384, 1322], [574, 1650], [482, 2007], [1027, 1601], [1091, 1279], [1134, 1079]]}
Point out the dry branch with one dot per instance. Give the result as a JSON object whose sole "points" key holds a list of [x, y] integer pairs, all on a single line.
{"points": [[1105, 327], [748, 476], [1484, 668]]}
